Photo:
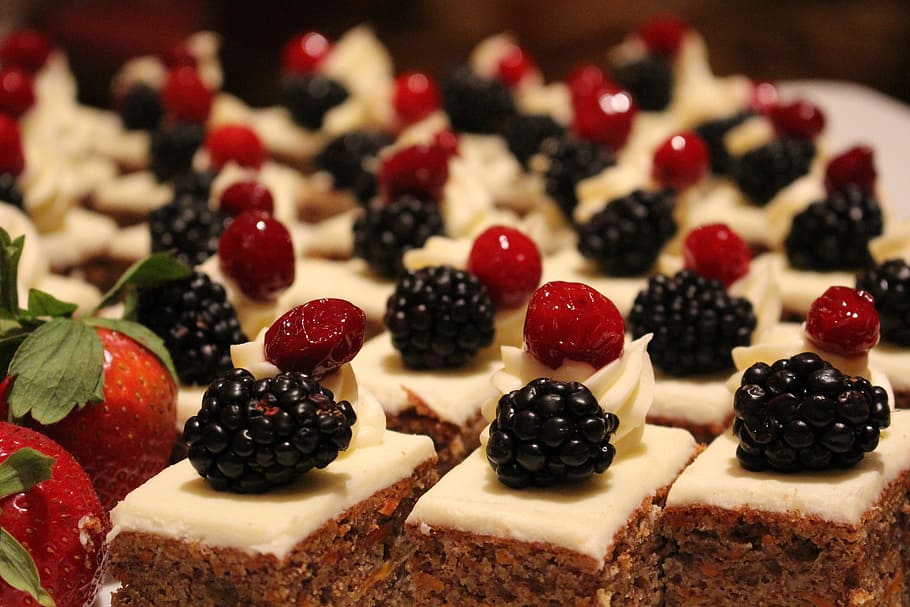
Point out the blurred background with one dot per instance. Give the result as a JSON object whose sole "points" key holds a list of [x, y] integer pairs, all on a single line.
{"points": [[866, 41]]}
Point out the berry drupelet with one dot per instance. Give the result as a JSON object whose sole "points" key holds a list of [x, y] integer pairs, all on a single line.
{"points": [[439, 317], [763, 172], [476, 104], [172, 149], [889, 284], [309, 97], [571, 160], [525, 133], [800, 413], [695, 323], [550, 432], [348, 158], [251, 435], [385, 231], [189, 227]]}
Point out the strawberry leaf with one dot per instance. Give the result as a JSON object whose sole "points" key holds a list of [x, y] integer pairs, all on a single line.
{"points": [[10, 251], [19, 571], [45, 304], [154, 269], [58, 367], [138, 333], [24, 469]]}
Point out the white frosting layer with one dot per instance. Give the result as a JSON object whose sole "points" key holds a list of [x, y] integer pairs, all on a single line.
{"points": [[82, 235], [839, 496], [894, 361], [799, 288], [569, 265], [699, 400], [584, 517], [179, 504], [134, 194], [893, 244]]}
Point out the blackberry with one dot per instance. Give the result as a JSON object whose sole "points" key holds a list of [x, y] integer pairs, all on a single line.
{"points": [[834, 234], [627, 235], [195, 183], [475, 104], [141, 109], [189, 227], [889, 284], [763, 172], [251, 435], [439, 317], [384, 232], [349, 157], [525, 133], [172, 149], [713, 133], [800, 413], [10, 192], [550, 432], [650, 80], [695, 323], [309, 97], [197, 323], [570, 161]]}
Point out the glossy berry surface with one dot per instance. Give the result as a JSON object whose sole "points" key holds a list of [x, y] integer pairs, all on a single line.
{"points": [[854, 167], [715, 251], [256, 252], [245, 196], [508, 263], [514, 65], [843, 321], [681, 161], [889, 284], [317, 337], [387, 230], [235, 143], [185, 97], [765, 97], [415, 96], [17, 92], [605, 117], [418, 170], [12, 160], [26, 49], [476, 104], [663, 35], [800, 119], [302, 54], [570, 320], [585, 80]]}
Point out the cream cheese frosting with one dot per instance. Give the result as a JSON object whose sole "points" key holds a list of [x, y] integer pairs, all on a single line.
{"points": [[799, 288], [82, 236], [132, 194], [570, 265]]}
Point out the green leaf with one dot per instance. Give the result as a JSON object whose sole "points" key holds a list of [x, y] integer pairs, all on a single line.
{"points": [[58, 367], [19, 571], [153, 270], [45, 304], [140, 334], [10, 251], [24, 469]]}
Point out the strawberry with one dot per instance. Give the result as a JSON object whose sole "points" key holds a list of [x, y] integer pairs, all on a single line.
{"points": [[52, 525]]}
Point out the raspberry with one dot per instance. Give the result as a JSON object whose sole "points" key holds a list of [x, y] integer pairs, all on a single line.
{"points": [[237, 143], [514, 65], [550, 432], [715, 251], [889, 285], [606, 117], [316, 337], [765, 97], [570, 161], [385, 232], [713, 133], [246, 195], [25, 49], [304, 53], [351, 159], [418, 170], [252, 435], [17, 93], [439, 317], [310, 97], [256, 252], [570, 320], [649, 80], [763, 172], [179, 55], [798, 120], [185, 97], [681, 161], [12, 160], [843, 321], [800, 413], [187, 226], [525, 133], [663, 35], [854, 167], [172, 149], [475, 104], [508, 263], [140, 108], [585, 80], [415, 96]]}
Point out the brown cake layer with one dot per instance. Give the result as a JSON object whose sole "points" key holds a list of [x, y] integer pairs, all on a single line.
{"points": [[703, 433], [902, 399], [718, 557], [355, 559]]}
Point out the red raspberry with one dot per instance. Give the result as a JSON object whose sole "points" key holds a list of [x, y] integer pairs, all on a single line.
{"points": [[514, 65], [256, 251], [17, 93], [663, 35], [854, 167], [11, 158], [716, 251], [680, 161], [605, 117], [508, 263], [26, 49], [415, 96], [586, 80], [235, 142], [418, 170], [302, 54], [570, 320], [843, 321], [185, 96], [800, 119], [765, 97], [245, 196], [316, 337], [179, 55], [447, 140]]}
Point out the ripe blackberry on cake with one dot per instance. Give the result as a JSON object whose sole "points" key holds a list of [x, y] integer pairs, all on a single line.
{"points": [[386, 231], [476, 104], [649, 79], [189, 227], [763, 172], [889, 284], [571, 160], [309, 97], [140, 108], [172, 149], [9, 191], [525, 134], [713, 133], [349, 158]]}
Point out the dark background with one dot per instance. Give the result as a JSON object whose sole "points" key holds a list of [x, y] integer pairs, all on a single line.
{"points": [[867, 41]]}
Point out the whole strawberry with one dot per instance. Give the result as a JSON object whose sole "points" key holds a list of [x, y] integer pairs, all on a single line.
{"points": [[52, 525]]}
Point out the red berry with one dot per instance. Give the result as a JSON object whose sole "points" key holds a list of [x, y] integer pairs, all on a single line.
{"points": [[244, 196], [514, 65], [418, 170], [447, 140], [663, 35], [843, 321], [17, 93], [235, 142], [605, 117], [256, 251], [680, 161], [508, 263], [570, 320], [11, 158], [185, 97], [26, 49], [716, 251], [302, 54], [586, 80], [179, 55], [415, 96], [316, 337], [800, 119], [765, 97], [854, 167]]}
